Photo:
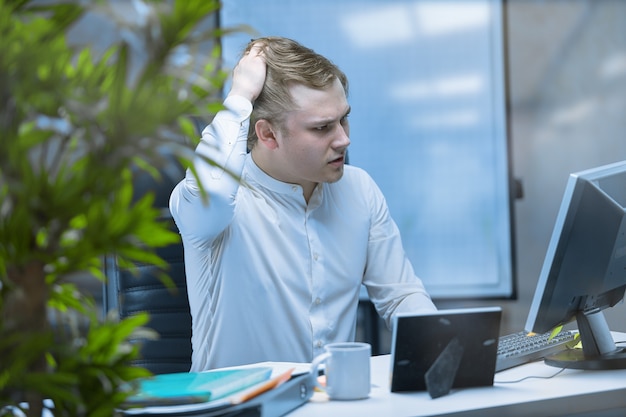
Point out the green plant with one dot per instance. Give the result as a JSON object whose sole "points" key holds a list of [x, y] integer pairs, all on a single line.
{"points": [[74, 125]]}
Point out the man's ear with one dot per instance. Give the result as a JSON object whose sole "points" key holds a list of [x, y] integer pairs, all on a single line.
{"points": [[266, 134]]}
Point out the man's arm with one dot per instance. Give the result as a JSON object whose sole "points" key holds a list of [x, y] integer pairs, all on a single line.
{"points": [[390, 279], [224, 142]]}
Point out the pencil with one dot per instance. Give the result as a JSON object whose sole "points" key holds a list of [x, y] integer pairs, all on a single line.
{"points": [[263, 387]]}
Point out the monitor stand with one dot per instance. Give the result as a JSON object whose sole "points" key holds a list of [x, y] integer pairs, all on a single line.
{"points": [[599, 351]]}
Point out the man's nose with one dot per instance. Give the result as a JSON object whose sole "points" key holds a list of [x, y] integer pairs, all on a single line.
{"points": [[343, 138]]}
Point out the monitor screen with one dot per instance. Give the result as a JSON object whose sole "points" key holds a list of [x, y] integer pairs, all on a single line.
{"points": [[584, 271]]}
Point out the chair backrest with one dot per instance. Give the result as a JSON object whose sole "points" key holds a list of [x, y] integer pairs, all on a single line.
{"points": [[130, 291]]}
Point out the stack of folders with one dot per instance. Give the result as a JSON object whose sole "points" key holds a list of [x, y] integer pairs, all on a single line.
{"points": [[268, 389]]}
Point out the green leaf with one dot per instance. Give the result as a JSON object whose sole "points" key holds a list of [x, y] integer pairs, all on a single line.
{"points": [[555, 332]]}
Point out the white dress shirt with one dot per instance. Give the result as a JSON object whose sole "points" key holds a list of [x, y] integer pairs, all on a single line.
{"points": [[270, 277]]}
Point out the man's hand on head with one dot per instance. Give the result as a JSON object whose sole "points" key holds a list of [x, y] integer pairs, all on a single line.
{"points": [[249, 74]]}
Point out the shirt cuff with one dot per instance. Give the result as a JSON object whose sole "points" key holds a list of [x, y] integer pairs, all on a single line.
{"points": [[239, 107]]}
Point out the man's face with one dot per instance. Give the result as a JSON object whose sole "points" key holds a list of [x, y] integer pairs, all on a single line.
{"points": [[314, 137]]}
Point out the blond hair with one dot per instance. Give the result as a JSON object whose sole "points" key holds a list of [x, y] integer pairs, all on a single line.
{"points": [[288, 62]]}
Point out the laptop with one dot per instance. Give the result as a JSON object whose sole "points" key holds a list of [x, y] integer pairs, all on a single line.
{"points": [[444, 349]]}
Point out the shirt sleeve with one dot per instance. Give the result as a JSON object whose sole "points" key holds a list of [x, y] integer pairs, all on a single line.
{"points": [[224, 142], [391, 282]]}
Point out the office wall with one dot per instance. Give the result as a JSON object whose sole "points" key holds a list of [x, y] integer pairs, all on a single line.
{"points": [[568, 112], [567, 98]]}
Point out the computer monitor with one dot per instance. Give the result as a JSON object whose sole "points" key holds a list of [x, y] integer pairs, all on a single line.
{"points": [[584, 271]]}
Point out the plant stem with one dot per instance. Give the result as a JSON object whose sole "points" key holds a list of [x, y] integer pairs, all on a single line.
{"points": [[25, 310]]}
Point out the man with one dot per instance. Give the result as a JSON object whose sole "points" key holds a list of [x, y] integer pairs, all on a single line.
{"points": [[275, 262]]}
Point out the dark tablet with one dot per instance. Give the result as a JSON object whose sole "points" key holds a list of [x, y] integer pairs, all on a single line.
{"points": [[444, 349]]}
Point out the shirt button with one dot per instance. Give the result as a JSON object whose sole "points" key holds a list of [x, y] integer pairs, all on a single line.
{"points": [[294, 188], [315, 256], [318, 301], [319, 344]]}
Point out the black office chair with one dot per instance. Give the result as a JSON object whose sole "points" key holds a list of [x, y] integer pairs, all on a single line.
{"points": [[141, 290], [130, 292]]}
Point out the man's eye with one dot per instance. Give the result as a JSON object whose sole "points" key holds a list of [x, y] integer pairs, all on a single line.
{"points": [[321, 128]]}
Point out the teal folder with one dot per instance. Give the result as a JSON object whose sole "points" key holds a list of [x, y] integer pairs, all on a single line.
{"points": [[195, 387], [273, 403]]}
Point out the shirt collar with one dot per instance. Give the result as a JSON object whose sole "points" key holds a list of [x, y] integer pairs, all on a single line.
{"points": [[253, 174]]}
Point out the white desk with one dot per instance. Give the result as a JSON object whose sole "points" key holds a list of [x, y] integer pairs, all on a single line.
{"points": [[598, 393]]}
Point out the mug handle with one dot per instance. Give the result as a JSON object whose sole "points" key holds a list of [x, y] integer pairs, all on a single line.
{"points": [[319, 359]]}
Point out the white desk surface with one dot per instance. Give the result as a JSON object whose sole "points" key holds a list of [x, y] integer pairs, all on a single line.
{"points": [[566, 393]]}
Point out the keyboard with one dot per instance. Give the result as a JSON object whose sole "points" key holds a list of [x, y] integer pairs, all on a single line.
{"points": [[519, 348]]}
